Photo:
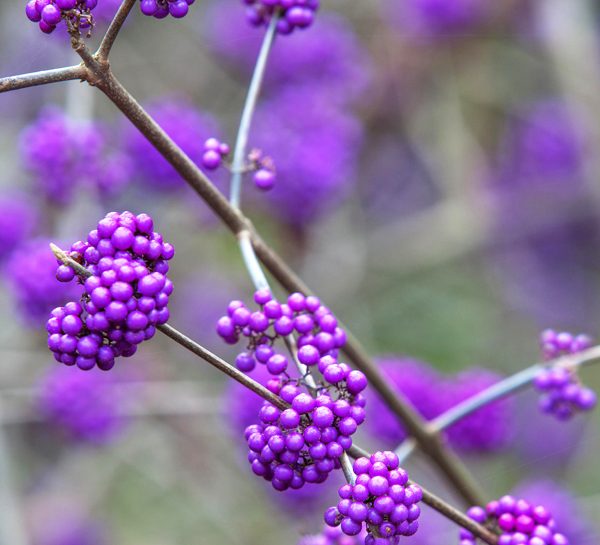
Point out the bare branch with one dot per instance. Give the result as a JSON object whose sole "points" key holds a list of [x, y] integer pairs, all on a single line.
{"points": [[114, 29], [33, 79]]}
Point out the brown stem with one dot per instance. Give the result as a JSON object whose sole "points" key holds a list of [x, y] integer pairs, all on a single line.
{"points": [[22, 81], [113, 30]]}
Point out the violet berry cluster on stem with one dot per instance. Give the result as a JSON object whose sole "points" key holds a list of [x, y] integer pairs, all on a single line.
{"points": [[293, 13], [317, 330], [124, 299], [380, 500], [215, 152], [49, 13], [564, 395], [163, 8], [304, 443], [517, 521]]}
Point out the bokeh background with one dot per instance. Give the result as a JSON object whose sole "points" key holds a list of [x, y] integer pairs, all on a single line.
{"points": [[437, 185]]}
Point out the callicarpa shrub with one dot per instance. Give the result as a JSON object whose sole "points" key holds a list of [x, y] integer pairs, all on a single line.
{"points": [[313, 378]]}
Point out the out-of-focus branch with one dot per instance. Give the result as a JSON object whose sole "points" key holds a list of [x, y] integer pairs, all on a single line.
{"points": [[33, 79]]}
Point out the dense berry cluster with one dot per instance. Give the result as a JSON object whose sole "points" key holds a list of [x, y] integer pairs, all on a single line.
{"points": [[304, 443], [317, 329], [564, 395], [380, 500], [83, 405], [162, 8], [214, 153], [124, 299], [293, 13], [518, 522], [326, 171], [49, 13]]}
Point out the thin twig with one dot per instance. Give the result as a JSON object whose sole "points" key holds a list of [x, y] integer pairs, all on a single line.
{"points": [[500, 390], [23, 81], [113, 30], [241, 142]]}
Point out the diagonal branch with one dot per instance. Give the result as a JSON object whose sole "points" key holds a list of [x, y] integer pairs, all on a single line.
{"points": [[22, 81], [113, 30]]}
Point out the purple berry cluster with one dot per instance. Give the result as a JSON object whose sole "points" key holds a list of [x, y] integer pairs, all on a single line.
{"points": [[63, 154], [564, 395], [304, 443], [318, 333], [518, 522], [124, 299], [293, 13], [49, 13], [83, 405], [162, 8], [214, 153], [264, 170], [381, 499]]}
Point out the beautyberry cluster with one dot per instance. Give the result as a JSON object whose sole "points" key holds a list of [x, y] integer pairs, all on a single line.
{"points": [[162, 8], [381, 499], [518, 522], [64, 154], [318, 333], [304, 443], [49, 13], [124, 299], [214, 153], [564, 394], [294, 13]]}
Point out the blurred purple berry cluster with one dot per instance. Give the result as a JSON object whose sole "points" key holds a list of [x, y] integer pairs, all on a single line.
{"points": [[517, 521], [83, 405], [380, 501], [124, 299], [486, 430], [564, 394]]}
